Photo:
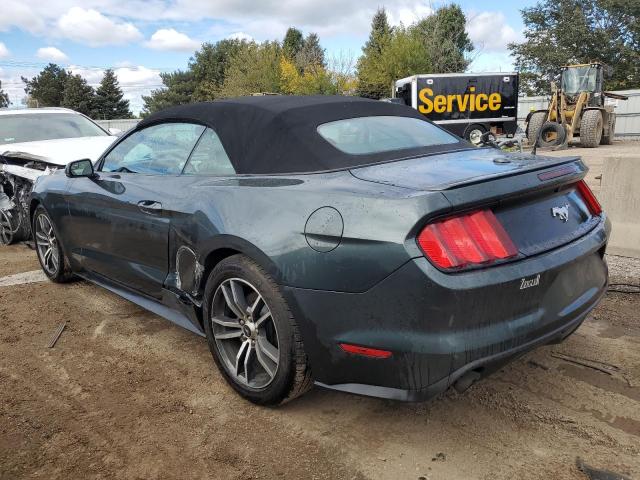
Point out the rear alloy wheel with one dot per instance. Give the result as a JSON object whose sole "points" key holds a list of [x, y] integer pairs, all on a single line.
{"points": [[50, 255], [252, 335], [245, 333]]}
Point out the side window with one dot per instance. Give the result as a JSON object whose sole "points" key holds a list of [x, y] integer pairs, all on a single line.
{"points": [[209, 157], [160, 149]]}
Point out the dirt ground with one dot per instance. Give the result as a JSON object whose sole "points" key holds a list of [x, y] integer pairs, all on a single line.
{"points": [[126, 395]]}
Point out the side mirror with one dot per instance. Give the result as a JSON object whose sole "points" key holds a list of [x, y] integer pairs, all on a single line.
{"points": [[114, 131], [80, 168]]}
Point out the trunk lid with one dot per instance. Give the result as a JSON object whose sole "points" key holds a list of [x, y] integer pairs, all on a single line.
{"points": [[449, 170], [534, 198], [547, 220]]}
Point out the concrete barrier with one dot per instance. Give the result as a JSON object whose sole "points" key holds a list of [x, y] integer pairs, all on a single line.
{"points": [[620, 197]]}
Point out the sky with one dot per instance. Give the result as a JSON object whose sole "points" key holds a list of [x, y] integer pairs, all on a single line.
{"points": [[141, 38]]}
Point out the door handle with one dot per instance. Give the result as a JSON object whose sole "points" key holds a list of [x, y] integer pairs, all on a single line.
{"points": [[150, 207]]}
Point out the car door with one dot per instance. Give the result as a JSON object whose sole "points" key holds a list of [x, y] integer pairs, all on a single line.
{"points": [[120, 220]]}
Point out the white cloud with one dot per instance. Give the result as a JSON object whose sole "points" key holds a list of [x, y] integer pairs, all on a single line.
{"points": [[4, 51], [17, 13], [489, 31], [408, 14], [90, 27], [111, 22], [240, 36], [170, 39], [51, 53], [270, 19]]}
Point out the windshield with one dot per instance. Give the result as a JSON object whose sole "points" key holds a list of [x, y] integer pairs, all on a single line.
{"points": [[31, 127], [579, 79], [367, 135]]}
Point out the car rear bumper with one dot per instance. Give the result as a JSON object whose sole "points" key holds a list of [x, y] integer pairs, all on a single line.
{"points": [[442, 327]]}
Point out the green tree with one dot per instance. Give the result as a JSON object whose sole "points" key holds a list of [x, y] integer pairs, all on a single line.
{"points": [[78, 95], [369, 84], [4, 98], [561, 32], [435, 44], [47, 88], [109, 101], [292, 43], [445, 38], [179, 87], [254, 69], [209, 66], [311, 54]]}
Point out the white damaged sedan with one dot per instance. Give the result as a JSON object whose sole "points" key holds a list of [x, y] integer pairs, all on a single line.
{"points": [[36, 142]]}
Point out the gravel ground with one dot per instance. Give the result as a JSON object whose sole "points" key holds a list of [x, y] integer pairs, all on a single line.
{"points": [[125, 395]]}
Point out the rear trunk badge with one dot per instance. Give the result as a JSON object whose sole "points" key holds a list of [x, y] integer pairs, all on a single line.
{"points": [[561, 212]]}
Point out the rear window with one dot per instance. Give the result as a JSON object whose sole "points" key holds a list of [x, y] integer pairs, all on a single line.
{"points": [[367, 135]]}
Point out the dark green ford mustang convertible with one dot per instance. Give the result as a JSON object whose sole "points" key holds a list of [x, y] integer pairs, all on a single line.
{"points": [[334, 240]]}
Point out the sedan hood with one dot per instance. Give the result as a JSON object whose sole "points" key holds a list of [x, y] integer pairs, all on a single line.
{"points": [[444, 171], [60, 151]]}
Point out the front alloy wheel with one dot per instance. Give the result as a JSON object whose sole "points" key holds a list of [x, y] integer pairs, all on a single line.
{"points": [[50, 254], [245, 333], [46, 244]]}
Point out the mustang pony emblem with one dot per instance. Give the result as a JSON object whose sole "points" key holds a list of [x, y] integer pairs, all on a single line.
{"points": [[561, 212]]}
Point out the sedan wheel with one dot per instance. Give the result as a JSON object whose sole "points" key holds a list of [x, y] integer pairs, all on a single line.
{"points": [[50, 255], [245, 333], [252, 334], [47, 244]]}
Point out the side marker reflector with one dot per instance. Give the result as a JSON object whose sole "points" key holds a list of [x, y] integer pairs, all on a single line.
{"points": [[365, 351]]}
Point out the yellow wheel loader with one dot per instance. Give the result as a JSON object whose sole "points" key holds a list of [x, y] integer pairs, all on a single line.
{"points": [[576, 109]]}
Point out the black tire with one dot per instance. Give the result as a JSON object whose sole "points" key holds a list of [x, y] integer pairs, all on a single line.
{"points": [[608, 138], [591, 128], [292, 377], [536, 121], [13, 227], [551, 134], [60, 272], [473, 133]]}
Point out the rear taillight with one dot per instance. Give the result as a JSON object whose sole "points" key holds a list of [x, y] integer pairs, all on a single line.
{"points": [[472, 239], [589, 198]]}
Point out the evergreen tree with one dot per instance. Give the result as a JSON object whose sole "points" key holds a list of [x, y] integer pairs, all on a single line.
{"points": [[445, 37], [47, 88], [209, 66], [435, 44], [4, 98], [292, 43], [380, 32], [179, 88], [311, 55], [78, 95], [369, 84], [109, 101]]}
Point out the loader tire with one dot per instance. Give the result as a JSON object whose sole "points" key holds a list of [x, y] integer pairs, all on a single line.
{"points": [[536, 121], [591, 128], [608, 138], [551, 134]]}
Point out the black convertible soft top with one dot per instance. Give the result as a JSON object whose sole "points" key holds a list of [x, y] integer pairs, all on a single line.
{"points": [[275, 134]]}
